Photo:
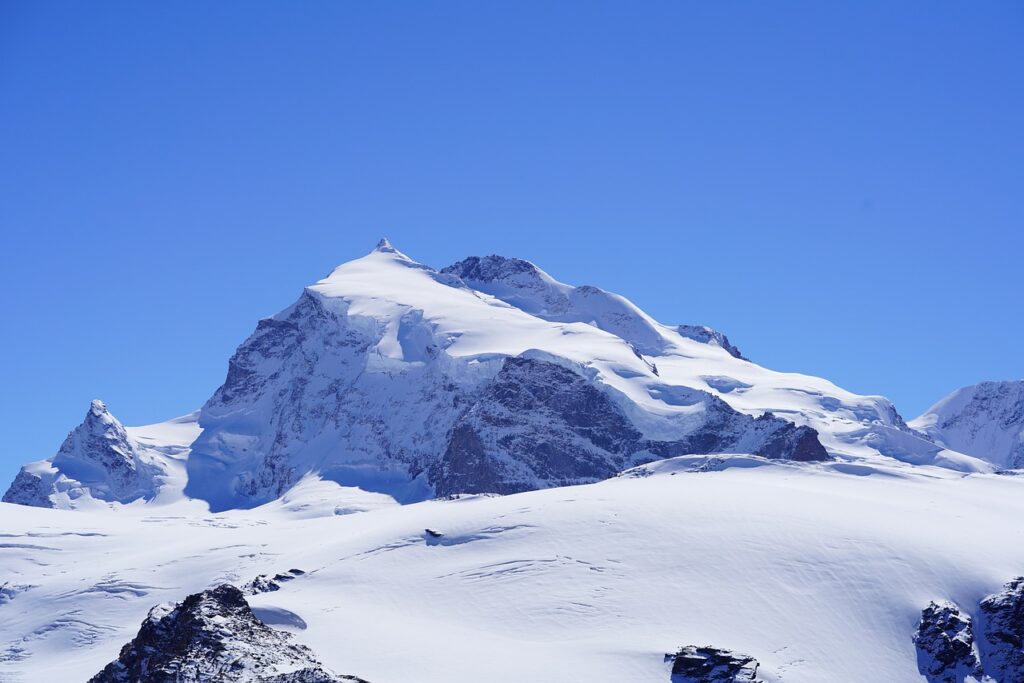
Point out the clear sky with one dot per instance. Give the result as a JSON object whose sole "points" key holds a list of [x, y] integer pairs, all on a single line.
{"points": [[837, 186]]}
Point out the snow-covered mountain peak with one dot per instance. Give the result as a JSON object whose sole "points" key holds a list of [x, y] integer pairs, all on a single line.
{"points": [[100, 460], [985, 420], [98, 409], [98, 447], [385, 245]]}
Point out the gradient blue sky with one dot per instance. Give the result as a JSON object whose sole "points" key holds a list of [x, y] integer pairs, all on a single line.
{"points": [[837, 186]]}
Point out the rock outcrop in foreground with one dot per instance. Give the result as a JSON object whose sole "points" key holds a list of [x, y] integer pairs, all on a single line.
{"points": [[1002, 623], [692, 664], [946, 650], [214, 636]]}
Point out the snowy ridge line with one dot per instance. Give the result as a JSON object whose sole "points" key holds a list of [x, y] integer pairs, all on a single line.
{"points": [[488, 376]]}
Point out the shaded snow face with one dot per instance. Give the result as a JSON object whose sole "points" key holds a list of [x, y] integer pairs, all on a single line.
{"points": [[985, 420]]}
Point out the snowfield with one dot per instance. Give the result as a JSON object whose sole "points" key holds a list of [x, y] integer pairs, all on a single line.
{"points": [[819, 571]]}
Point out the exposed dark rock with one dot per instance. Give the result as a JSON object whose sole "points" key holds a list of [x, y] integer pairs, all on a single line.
{"points": [[945, 644], [1002, 628], [709, 335], [214, 636], [692, 664], [29, 489], [266, 584], [540, 424]]}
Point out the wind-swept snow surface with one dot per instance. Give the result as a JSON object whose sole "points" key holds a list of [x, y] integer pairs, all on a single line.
{"points": [[820, 572]]}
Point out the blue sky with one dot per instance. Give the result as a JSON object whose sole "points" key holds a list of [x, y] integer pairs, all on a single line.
{"points": [[837, 186]]}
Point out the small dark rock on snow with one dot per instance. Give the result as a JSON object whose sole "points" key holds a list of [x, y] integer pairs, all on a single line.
{"points": [[692, 664]]}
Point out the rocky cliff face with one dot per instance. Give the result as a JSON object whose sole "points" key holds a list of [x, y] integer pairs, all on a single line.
{"points": [[98, 459], [214, 636], [1002, 625], [953, 648], [538, 424], [984, 420]]}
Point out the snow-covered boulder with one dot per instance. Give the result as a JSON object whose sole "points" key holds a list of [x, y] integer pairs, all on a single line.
{"points": [[984, 420], [214, 636]]}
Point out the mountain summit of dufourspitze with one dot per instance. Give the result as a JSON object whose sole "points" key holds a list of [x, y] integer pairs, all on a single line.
{"points": [[486, 376]]}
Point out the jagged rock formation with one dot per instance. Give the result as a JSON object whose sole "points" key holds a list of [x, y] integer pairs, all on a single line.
{"points": [[708, 335], [946, 650], [692, 664], [267, 584], [985, 420], [1002, 625], [214, 636], [97, 458]]}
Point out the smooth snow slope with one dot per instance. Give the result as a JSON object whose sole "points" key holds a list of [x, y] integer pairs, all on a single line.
{"points": [[819, 573]]}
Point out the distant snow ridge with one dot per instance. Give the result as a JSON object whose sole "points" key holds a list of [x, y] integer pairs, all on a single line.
{"points": [[530, 289], [707, 335], [985, 420], [97, 459]]}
